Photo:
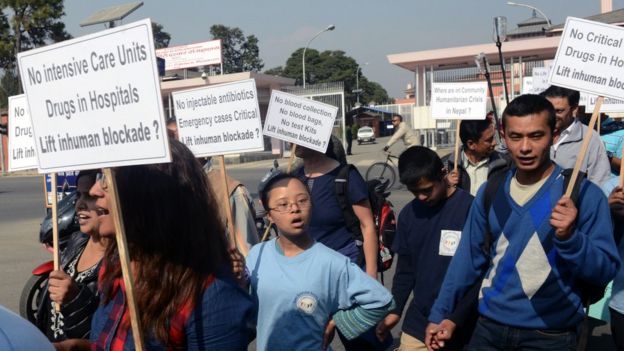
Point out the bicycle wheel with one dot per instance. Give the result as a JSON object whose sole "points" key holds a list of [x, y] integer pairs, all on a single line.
{"points": [[381, 171]]}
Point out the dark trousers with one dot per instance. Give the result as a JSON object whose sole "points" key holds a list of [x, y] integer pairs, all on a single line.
{"points": [[349, 143], [490, 335], [366, 342], [617, 328]]}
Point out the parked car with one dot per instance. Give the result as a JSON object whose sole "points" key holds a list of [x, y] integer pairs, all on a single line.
{"points": [[365, 134]]}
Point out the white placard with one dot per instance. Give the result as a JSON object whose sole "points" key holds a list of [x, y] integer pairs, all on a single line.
{"points": [[21, 152], [220, 119], [540, 79], [95, 100], [459, 100], [192, 55], [299, 120], [608, 105], [590, 58]]}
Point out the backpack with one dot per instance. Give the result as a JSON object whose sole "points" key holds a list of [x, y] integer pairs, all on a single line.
{"points": [[383, 215], [589, 293]]}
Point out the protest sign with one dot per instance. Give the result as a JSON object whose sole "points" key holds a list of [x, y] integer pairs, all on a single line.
{"points": [[219, 120], [300, 121], [609, 104], [95, 101], [191, 55], [21, 146], [590, 58], [459, 100], [65, 184]]}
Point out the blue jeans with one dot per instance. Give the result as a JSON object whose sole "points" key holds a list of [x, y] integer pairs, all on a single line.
{"points": [[490, 335]]}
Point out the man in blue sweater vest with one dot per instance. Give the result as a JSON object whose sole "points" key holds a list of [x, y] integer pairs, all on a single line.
{"points": [[542, 246]]}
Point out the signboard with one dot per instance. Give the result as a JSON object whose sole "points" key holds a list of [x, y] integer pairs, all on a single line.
{"points": [[590, 58], [459, 100], [220, 119], [609, 104], [21, 146], [538, 82], [65, 184], [192, 55], [299, 120], [95, 100]]}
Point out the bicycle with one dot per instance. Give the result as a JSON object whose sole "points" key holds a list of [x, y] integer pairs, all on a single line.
{"points": [[383, 171]]}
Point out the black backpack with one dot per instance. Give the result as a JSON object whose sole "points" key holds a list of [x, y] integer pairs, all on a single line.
{"points": [[590, 293], [383, 215]]}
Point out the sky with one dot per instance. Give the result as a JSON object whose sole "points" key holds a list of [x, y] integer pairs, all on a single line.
{"points": [[367, 30]]}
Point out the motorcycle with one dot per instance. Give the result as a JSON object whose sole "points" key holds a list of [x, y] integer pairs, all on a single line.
{"points": [[36, 285]]}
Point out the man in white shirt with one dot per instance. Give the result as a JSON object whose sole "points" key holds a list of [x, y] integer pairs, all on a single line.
{"points": [[568, 137], [402, 131]]}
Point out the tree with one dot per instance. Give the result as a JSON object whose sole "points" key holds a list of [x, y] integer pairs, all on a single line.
{"points": [[240, 53], [161, 38], [332, 66], [9, 86], [32, 23]]}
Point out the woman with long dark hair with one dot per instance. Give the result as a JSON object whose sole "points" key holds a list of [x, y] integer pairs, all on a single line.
{"points": [[185, 293], [74, 286]]}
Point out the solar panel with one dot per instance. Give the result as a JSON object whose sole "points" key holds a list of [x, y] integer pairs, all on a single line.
{"points": [[111, 14]]}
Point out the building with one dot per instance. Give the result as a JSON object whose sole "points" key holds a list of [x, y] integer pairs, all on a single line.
{"points": [[532, 44]]}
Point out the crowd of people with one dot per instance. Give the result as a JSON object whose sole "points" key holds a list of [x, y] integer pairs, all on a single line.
{"points": [[493, 254]]}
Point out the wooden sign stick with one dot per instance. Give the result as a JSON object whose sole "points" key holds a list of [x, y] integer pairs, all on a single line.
{"points": [[457, 145], [292, 158], [622, 170], [581, 156], [124, 258], [55, 232], [234, 237]]}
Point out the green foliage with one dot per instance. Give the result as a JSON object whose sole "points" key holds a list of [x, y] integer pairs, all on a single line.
{"points": [[9, 86], [240, 53], [161, 38], [26, 24], [332, 66]]}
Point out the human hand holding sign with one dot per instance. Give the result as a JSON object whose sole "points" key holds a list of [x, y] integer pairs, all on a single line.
{"points": [[61, 287], [563, 217], [616, 202]]}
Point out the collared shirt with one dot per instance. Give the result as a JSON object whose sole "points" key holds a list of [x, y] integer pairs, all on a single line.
{"points": [[564, 135], [478, 172]]}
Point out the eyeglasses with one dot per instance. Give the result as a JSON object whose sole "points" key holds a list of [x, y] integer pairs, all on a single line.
{"points": [[301, 203], [102, 181]]}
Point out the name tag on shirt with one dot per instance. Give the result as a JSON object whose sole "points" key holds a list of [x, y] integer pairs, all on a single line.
{"points": [[449, 240]]}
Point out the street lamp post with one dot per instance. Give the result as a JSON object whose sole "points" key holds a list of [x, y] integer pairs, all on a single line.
{"points": [[533, 8], [357, 90], [330, 27], [500, 34]]}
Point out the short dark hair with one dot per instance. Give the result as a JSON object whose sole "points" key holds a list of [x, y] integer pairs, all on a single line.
{"points": [[279, 176], [529, 104], [87, 172], [398, 115], [418, 163], [573, 96], [473, 129], [336, 151]]}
